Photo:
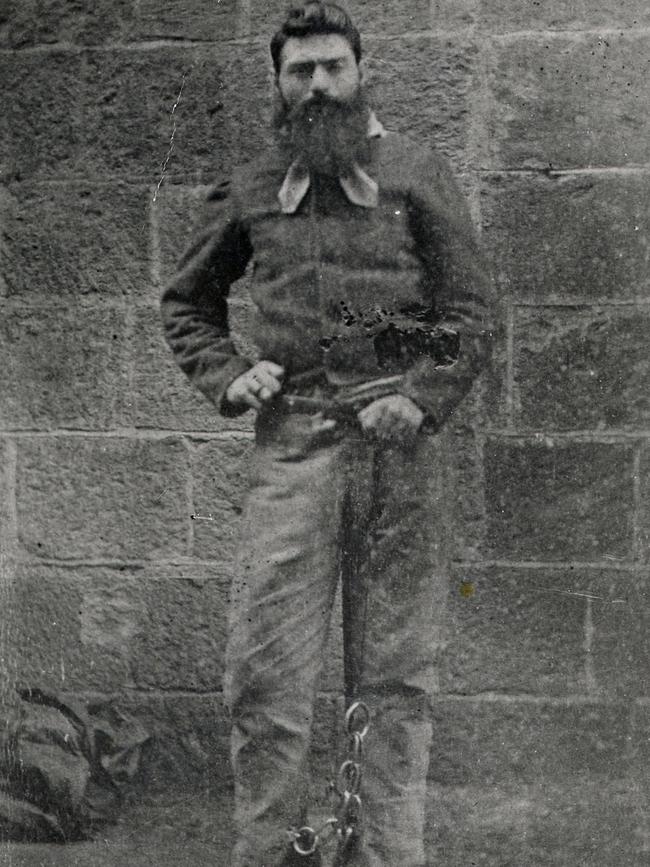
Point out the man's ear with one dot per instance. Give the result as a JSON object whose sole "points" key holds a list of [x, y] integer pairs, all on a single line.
{"points": [[363, 76]]}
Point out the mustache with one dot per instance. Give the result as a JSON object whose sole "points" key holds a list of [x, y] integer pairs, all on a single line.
{"points": [[317, 108], [317, 105]]}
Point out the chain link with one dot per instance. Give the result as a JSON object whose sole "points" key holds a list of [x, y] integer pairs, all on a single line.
{"points": [[346, 824], [305, 840], [356, 711]]}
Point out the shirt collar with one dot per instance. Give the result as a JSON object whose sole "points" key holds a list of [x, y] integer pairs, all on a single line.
{"points": [[357, 185]]}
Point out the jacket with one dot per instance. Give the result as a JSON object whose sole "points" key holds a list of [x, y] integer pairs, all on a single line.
{"points": [[396, 292]]}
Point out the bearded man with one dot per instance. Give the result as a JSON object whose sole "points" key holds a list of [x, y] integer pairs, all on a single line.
{"points": [[369, 298]]}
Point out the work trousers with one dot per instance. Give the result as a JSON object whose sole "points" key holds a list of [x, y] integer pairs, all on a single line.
{"points": [[328, 505]]}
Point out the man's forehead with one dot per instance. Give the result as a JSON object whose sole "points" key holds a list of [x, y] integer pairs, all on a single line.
{"points": [[319, 47]]}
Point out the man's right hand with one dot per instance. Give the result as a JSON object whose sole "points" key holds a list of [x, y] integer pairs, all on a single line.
{"points": [[257, 386]]}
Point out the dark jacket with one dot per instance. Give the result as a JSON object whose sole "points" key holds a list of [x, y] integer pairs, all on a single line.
{"points": [[357, 293]]}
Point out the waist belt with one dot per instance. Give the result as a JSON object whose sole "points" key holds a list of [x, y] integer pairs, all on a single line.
{"points": [[342, 405], [343, 412]]}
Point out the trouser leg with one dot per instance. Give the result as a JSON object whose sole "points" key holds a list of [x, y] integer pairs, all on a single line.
{"points": [[280, 611], [394, 604]]}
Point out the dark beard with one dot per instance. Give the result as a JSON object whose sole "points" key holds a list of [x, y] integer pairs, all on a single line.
{"points": [[328, 135]]}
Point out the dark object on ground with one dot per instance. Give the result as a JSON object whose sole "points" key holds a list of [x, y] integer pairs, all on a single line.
{"points": [[63, 765]]}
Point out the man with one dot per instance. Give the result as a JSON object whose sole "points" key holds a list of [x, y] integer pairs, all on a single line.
{"points": [[370, 327]]}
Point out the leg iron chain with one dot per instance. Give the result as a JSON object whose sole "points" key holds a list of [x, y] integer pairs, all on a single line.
{"points": [[345, 825]]}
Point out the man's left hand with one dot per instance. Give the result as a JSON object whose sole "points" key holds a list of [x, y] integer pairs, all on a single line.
{"points": [[393, 418]]}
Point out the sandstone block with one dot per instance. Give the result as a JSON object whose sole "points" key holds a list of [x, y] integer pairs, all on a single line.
{"points": [[186, 19], [516, 631], [88, 22], [582, 368], [107, 497], [91, 628], [507, 15], [421, 86], [220, 482], [177, 212], [182, 636], [553, 500], [75, 240], [43, 119], [583, 822], [559, 237], [7, 528], [449, 15], [565, 101], [640, 745], [175, 112], [644, 508], [60, 640], [62, 365], [639, 758], [621, 634], [164, 397], [506, 741], [237, 92], [462, 467]]}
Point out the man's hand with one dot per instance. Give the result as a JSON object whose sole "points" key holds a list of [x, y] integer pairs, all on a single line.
{"points": [[257, 386], [394, 417]]}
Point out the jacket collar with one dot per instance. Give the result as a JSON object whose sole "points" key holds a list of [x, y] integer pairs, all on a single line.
{"points": [[357, 185]]}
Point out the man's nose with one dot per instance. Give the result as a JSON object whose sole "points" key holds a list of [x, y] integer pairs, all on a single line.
{"points": [[320, 82]]}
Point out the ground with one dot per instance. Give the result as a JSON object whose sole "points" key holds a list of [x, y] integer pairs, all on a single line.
{"points": [[592, 824], [179, 831]]}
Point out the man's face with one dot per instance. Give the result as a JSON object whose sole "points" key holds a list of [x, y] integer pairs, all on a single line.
{"points": [[320, 65]]}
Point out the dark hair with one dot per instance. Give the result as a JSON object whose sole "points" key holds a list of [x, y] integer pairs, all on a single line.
{"points": [[311, 19]]}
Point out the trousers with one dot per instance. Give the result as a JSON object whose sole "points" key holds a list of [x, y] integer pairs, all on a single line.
{"points": [[327, 505]]}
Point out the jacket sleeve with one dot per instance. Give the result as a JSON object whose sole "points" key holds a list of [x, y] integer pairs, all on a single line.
{"points": [[455, 284], [194, 304]]}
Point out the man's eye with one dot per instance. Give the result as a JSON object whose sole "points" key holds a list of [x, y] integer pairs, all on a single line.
{"points": [[334, 66], [303, 69]]}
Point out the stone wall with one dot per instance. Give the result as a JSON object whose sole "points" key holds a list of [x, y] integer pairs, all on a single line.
{"points": [[119, 114]]}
